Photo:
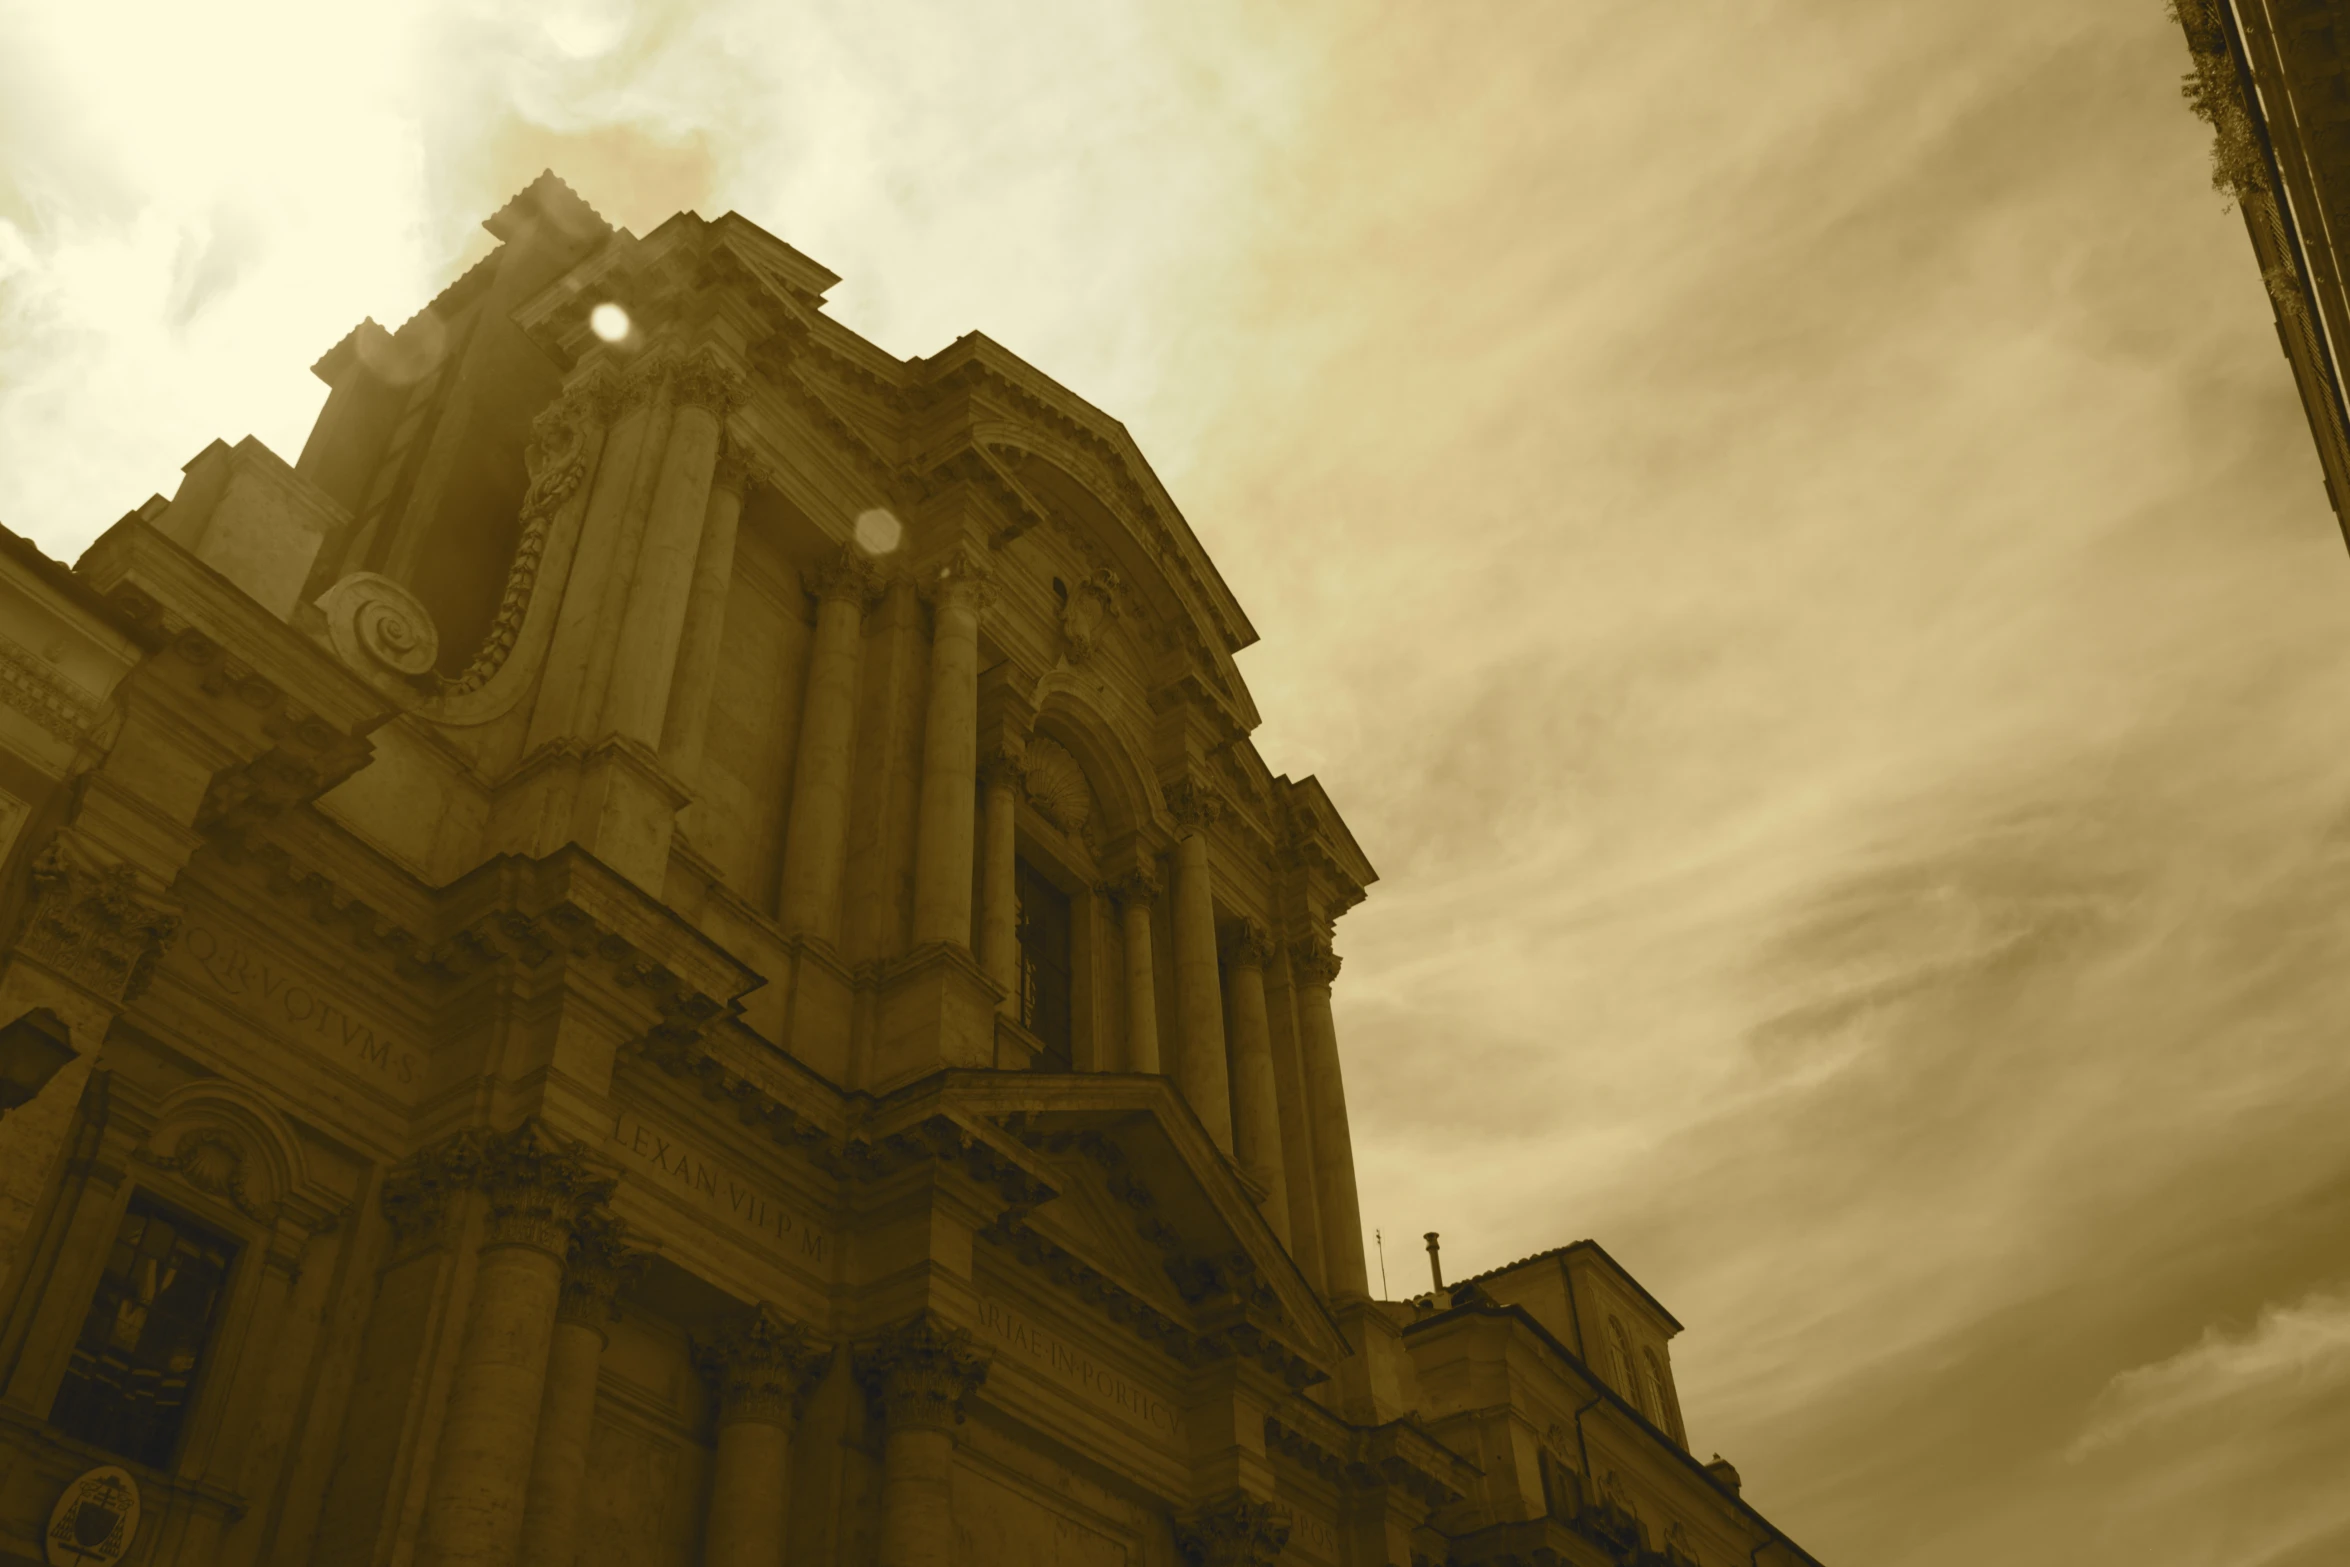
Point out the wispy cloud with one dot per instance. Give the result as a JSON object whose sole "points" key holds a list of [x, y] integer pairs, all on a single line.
{"points": [[2290, 1354]]}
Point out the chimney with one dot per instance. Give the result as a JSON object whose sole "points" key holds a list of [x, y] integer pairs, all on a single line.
{"points": [[1435, 1263]]}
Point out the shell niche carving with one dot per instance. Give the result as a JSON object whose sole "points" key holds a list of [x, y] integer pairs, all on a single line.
{"points": [[1056, 786]]}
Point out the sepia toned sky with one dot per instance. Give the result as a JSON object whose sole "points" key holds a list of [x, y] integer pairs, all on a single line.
{"points": [[1784, 526]]}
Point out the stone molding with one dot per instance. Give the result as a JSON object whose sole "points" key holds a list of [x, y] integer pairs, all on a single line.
{"points": [[965, 575], [923, 1373], [1312, 962], [92, 922], [761, 1365], [30, 685], [734, 472], [1233, 1531]]}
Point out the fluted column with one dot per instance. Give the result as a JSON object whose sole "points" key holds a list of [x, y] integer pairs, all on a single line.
{"points": [[816, 838], [1135, 894], [688, 720], [950, 759], [599, 1265], [760, 1367], [653, 627], [999, 910], [1200, 1068], [538, 1186], [1314, 966], [1256, 1104], [922, 1375]]}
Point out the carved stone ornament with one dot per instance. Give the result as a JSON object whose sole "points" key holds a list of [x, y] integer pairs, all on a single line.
{"points": [[1247, 944], [961, 580], [1312, 961], [379, 628], [922, 1373], [733, 471], [93, 924], [557, 460], [1140, 885], [539, 1185], [598, 1268], [1237, 1531], [848, 575], [703, 382], [1056, 786], [1193, 804], [1092, 602], [761, 1365], [94, 1521], [31, 684], [211, 1161]]}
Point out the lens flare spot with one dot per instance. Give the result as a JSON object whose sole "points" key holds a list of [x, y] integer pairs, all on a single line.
{"points": [[608, 321], [878, 532]]}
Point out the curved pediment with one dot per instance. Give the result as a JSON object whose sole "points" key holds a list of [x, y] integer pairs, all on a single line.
{"points": [[1047, 459]]}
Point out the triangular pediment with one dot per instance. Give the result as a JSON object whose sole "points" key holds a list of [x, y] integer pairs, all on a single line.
{"points": [[1146, 1203]]}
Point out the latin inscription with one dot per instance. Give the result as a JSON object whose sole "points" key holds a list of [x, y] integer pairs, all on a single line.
{"points": [[1073, 1367], [269, 989], [1310, 1533], [716, 1188]]}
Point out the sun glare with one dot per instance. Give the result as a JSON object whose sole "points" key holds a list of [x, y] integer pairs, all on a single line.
{"points": [[608, 321]]}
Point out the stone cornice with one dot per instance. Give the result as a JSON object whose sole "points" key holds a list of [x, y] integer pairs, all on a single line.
{"points": [[1396, 1456]]}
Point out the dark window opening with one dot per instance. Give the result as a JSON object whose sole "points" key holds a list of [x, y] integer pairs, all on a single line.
{"points": [[127, 1384], [1045, 966]]}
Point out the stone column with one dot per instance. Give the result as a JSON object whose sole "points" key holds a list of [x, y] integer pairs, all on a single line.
{"points": [[816, 838], [1256, 1103], [1297, 1133], [1313, 966], [922, 1374], [653, 626], [1135, 894], [1200, 1068], [950, 759], [688, 720], [760, 1367], [598, 1267], [999, 910], [538, 1186]]}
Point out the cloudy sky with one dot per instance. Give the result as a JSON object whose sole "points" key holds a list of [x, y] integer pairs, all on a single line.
{"points": [[1783, 525]]}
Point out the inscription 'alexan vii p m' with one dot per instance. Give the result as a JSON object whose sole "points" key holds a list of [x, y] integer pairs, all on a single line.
{"points": [[713, 1186]]}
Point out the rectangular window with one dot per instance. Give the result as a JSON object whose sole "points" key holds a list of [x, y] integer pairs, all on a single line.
{"points": [[127, 1384], [1046, 967]]}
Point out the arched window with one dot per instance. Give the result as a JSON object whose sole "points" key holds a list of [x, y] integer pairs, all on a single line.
{"points": [[1619, 1360], [1652, 1388]]}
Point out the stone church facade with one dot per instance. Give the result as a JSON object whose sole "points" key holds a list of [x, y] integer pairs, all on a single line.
{"points": [[674, 950]]}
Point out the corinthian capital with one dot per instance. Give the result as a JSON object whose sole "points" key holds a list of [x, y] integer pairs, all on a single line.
{"points": [[1193, 803], [539, 1186], [93, 923], [1138, 886], [706, 383], [761, 1365], [1312, 961], [848, 576], [1237, 1531], [922, 1372], [598, 1268], [962, 579], [1247, 944]]}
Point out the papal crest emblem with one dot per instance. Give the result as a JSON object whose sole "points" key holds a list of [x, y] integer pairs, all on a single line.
{"points": [[95, 1520]]}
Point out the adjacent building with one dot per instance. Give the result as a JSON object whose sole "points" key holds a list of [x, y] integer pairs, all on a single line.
{"points": [[2272, 79], [676, 951]]}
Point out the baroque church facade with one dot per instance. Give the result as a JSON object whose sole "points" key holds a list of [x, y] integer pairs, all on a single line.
{"points": [[671, 948]]}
